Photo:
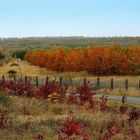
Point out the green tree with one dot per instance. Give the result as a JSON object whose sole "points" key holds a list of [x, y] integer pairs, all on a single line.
{"points": [[19, 54]]}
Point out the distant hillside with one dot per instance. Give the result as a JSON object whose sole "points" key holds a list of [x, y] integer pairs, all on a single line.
{"points": [[43, 42]]}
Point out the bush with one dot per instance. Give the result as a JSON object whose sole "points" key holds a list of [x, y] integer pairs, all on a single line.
{"points": [[19, 54], [4, 98], [12, 73], [2, 56]]}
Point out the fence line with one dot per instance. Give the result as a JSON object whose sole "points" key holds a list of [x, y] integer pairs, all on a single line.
{"points": [[97, 83]]}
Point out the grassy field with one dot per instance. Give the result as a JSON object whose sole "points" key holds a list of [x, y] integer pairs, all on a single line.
{"points": [[26, 69], [29, 118]]}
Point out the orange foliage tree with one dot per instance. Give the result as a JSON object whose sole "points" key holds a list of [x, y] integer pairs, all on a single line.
{"points": [[96, 60]]}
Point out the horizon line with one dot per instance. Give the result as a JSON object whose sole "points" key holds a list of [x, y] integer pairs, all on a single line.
{"points": [[66, 36]]}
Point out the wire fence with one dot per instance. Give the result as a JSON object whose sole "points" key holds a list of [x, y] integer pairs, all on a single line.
{"points": [[97, 83]]}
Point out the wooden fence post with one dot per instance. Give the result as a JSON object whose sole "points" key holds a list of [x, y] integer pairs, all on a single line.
{"points": [[36, 79], [126, 84], [14, 78], [85, 81], [60, 81], [47, 79], [3, 78], [112, 83], [26, 78], [71, 83], [98, 83]]}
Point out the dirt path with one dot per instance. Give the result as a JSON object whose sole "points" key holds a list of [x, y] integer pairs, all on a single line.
{"points": [[26, 69], [134, 100]]}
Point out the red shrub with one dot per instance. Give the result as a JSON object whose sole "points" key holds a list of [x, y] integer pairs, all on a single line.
{"points": [[112, 130], [134, 115], [50, 88], [70, 127], [103, 104], [86, 94], [2, 120]]}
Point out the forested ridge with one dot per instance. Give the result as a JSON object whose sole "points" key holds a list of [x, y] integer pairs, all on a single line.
{"points": [[79, 41]]}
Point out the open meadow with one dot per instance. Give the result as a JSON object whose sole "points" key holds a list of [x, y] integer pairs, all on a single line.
{"points": [[53, 111], [24, 118]]}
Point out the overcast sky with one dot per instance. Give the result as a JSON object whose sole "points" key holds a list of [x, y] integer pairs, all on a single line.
{"points": [[23, 18]]}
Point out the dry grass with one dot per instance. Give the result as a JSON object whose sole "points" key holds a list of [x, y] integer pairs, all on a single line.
{"points": [[26, 69], [44, 118]]}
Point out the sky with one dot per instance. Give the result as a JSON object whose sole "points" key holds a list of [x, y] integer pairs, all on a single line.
{"points": [[97, 18]]}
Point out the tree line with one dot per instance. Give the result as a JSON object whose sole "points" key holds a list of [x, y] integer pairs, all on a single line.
{"points": [[73, 41], [96, 60]]}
